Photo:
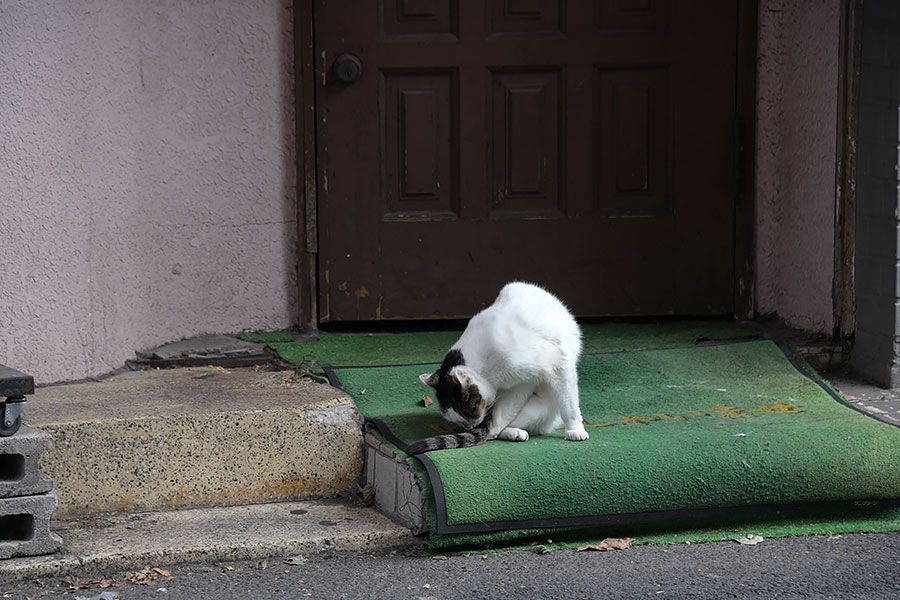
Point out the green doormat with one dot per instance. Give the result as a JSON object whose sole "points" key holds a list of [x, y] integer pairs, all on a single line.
{"points": [[703, 432], [405, 348]]}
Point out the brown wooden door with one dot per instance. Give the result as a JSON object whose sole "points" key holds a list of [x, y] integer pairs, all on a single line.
{"points": [[586, 146]]}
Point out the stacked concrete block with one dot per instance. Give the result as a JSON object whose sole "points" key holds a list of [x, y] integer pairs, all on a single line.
{"points": [[27, 497], [398, 492]]}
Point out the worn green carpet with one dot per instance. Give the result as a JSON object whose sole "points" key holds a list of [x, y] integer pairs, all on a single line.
{"points": [[407, 348], [710, 436]]}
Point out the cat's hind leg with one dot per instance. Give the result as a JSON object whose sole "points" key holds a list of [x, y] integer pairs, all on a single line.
{"points": [[564, 387], [506, 407], [539, 416], [531, 412]]}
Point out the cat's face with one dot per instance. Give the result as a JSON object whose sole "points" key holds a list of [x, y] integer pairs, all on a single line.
{"points": [[461, 394]]}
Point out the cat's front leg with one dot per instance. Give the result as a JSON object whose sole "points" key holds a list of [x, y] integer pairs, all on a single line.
{"points": [[576, 434], [513, 434]]}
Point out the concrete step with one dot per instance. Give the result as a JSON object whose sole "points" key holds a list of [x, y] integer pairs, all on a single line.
{"points": [[102, 545], [198, 436]]}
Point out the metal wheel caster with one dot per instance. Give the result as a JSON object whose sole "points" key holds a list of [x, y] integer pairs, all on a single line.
{"points": [[14, 386], [11, 416]]}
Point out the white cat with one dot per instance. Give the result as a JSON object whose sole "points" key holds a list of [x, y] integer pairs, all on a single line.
{"points": [[511, 374]]}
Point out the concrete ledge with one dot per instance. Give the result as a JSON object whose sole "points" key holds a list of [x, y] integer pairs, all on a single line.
{"points": [[201, 436], [105, 544]]}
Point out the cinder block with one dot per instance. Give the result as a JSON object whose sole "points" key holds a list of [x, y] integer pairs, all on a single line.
{"points": [[385, 483], [410, 500], [25, 526], [398, 491], [370, 465], [20, 473]]}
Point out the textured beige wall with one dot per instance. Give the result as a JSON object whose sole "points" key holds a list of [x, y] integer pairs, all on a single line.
{"points": [[797, 88], [147, 177]]}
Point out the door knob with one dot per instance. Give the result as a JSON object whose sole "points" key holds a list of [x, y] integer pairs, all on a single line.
{"points": [[347, 68]]}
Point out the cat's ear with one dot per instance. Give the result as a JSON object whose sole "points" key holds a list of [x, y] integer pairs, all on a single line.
{"points": [[462, 376], [429, 379]]}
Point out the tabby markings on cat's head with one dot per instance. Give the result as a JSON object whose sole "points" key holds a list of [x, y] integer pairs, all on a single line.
{"points": [[457, 394]]}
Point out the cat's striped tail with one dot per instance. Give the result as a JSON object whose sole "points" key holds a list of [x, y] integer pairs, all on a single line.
{"points": [[473, 437]]}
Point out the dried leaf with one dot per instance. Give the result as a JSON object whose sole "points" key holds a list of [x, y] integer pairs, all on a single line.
{"points": [[145, 576], [73, 584], [608, 544], [620, 543], [295, 560], [163, 572], [748, 539], [365, 494], [427, 401], [438, 558]]}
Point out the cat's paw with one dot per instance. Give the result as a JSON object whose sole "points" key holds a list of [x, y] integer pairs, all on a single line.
{"points": [[513, 434], [576, 435]]}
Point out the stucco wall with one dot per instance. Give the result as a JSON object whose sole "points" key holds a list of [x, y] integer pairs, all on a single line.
{"points": [[797, 88], [147, 177]]}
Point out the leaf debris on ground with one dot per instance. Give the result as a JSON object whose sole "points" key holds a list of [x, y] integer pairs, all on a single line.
{"points": [[364, 494], [748, 539], [147, 576], [74, 584], [608, 544]]}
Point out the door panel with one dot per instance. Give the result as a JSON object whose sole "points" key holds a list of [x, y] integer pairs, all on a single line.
{"points": [[419, 151], [582, 145], [525, 144], [633, 138]]}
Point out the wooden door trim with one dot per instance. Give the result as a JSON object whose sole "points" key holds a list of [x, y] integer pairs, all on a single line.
{"points": [[305, 118], [844, 286], [745, 198]]}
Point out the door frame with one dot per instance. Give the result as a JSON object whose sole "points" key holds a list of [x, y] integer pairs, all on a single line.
{"points": [[305, 124], [305, 112], [844, 287], [745, 193]]}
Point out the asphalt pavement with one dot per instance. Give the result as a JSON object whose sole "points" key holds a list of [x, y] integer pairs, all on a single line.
{"points": [[821, 567]]}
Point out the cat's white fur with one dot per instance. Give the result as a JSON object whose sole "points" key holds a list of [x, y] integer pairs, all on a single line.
{"points": [[522, 353]]}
